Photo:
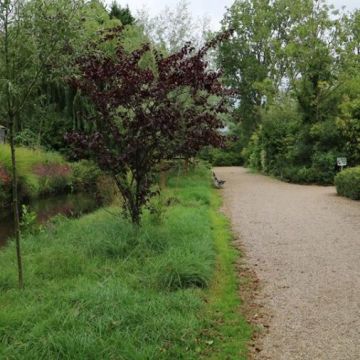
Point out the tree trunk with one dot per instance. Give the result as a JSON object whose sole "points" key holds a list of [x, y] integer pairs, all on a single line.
{"points": [[186, 165], [15, 199], [135, 213], [163, 175], [12, 117]]}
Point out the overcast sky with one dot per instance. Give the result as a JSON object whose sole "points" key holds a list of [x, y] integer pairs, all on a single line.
{"points": [[214, 9]]}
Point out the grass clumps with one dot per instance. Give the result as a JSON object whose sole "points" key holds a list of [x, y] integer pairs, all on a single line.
{"points": [[347, 183], [183, 272], [99, 289]]}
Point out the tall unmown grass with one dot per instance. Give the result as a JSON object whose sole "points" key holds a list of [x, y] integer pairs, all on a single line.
{"points": [[96, 288]]}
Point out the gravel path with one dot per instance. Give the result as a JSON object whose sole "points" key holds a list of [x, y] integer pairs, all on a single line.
{"points": [[304, 244]]}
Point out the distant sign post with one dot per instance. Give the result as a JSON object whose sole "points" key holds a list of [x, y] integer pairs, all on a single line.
{"points": [[341, 162]]}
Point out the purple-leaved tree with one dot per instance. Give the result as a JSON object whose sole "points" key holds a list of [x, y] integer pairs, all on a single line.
{"points": [[147, 114]]}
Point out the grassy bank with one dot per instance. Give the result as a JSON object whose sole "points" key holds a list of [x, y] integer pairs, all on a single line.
{"points": [[96, 289], [41, 173]]}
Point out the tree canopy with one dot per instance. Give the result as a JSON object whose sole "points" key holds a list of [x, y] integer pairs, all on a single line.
{"points": [[301, 56], [145, 114]]}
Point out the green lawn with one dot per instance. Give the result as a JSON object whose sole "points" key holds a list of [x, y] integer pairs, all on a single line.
{"points": [[97, 289]]}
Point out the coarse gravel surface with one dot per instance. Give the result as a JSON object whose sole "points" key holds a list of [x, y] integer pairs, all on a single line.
{"points": [[304, 244]]}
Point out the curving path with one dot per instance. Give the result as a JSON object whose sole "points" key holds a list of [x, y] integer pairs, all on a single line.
{"points": [[304, 244]]}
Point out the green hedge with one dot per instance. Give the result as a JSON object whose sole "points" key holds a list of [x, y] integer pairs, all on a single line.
{"points": [[84, 175], [222, 157], [347, 183]]}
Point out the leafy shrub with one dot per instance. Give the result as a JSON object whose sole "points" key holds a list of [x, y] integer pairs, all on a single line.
{"points": [[326, 136], [106, 190], [289, 173], [231, 154], [324, 166], [347, 183], [27, 138], [253, 151], [28, 222], [227, 158], [304, 175], [157, 209], [85, 174], [271, 147], [223, 157], [348, 121], [286, 148], [322, 170]]}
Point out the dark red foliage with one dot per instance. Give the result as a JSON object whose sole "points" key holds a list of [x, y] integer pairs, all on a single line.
{"points": [[51, 170], [145, 116]]}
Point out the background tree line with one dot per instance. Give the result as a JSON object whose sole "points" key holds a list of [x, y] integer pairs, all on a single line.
{"points": [[294, 70], [53, 106]]}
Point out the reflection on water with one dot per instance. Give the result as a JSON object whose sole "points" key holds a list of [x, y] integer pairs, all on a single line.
{"points": [[71, 205]]}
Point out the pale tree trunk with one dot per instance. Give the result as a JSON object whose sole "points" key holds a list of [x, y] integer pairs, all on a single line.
{"points": [[11, 124], [15, 198]]}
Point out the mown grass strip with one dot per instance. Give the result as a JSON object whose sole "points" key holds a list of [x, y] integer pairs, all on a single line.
{"points": [[228, 331]]}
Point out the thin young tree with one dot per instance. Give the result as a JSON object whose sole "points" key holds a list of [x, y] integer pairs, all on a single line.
{"points": [[32, 35]]}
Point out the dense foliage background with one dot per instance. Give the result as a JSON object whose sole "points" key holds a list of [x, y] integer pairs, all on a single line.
{"points": [[294, 69]]}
